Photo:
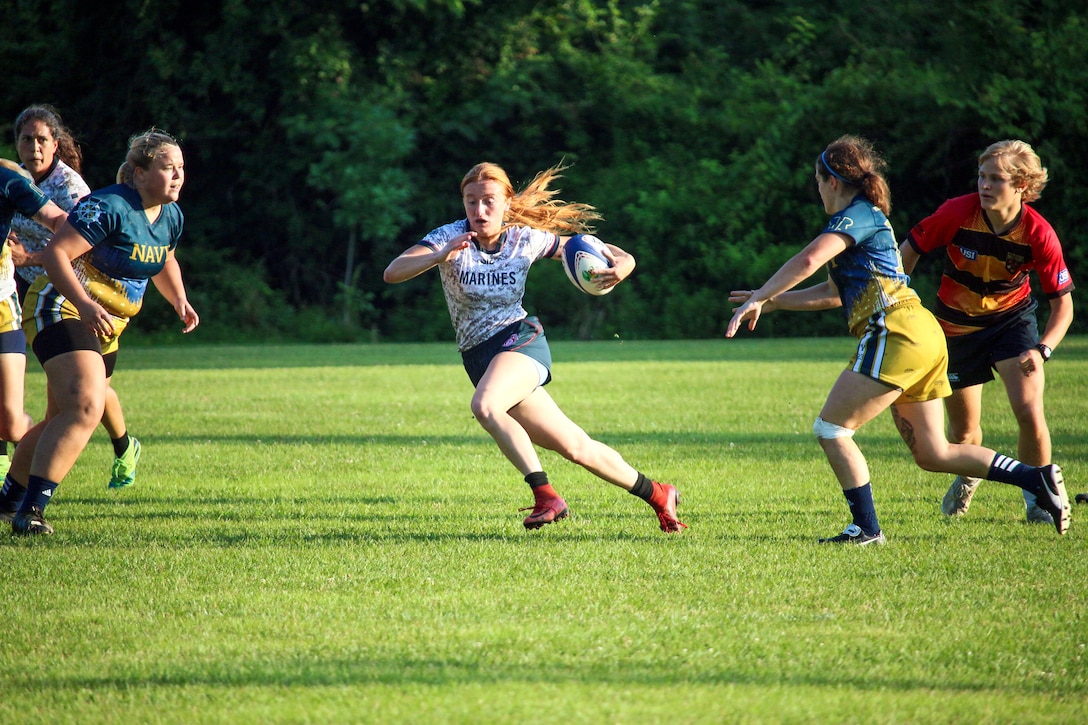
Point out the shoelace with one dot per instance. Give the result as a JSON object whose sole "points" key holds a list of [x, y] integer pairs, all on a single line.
{"points": [[669, 523], [963, 491], [538, 508]]}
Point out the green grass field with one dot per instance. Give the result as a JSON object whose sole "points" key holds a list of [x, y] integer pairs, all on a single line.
{"points": [[324, 534]]}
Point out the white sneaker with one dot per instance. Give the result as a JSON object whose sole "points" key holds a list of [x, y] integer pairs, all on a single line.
{"points": [[958, 498], [1036, 515]]}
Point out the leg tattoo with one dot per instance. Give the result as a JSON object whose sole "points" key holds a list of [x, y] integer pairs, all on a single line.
{"points": [[906, 430]]}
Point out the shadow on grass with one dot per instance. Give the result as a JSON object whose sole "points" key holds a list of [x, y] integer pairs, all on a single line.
{"points": [[227, 522], [731, 441], [204, 357], [323, 672]]}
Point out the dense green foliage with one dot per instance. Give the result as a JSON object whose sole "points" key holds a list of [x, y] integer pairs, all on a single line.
{"points": [[322, 138], [323, 534]]}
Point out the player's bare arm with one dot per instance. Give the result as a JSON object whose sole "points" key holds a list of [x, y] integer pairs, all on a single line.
{"points": [[800, 267], [418, 259], [51, 216], [1057, 324], [169, 284], [910, 256]]}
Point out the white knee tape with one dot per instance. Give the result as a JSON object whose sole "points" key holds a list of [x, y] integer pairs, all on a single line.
{"points": [[823, 429]]}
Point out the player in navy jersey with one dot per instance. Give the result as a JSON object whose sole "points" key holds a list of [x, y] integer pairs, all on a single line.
{"points": [[483, 261], [51, 155], [901, 357], [990, 241], [18, 195], [97, 269]]}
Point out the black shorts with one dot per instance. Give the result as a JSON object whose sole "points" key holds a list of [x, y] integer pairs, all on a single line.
{"points": [[971, 358], [69, 336], [524, 336]]}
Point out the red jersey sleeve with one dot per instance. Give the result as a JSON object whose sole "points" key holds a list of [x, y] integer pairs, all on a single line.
{"points": [[1046, 251], [940, 227]]}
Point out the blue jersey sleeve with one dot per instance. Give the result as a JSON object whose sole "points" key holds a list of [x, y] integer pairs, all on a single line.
{"points": [[17, 194], [94, 219]]}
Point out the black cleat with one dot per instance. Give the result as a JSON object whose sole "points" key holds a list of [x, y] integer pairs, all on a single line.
{"points": [[32, 523], [853, 534], [1050, 495]]}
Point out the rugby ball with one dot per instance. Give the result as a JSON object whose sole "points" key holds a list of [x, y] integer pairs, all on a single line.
{"points": [[582, 254]]}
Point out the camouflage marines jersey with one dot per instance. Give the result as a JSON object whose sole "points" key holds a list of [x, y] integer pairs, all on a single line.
{"points": [[484, 291], [65, 187]]}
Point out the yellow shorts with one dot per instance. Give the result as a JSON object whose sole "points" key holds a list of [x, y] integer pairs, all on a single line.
{"points": [[904, 348], [37, 315], [10, 314]]}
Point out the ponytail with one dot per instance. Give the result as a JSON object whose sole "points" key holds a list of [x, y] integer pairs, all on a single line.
{"points": [[852, 160]]}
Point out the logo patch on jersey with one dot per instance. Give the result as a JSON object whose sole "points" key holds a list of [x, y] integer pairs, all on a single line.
{"points": [[89, 212], [513, 340], [1063, 277], [840, 224], [1013, 262], [488, 278], [969, 254]]}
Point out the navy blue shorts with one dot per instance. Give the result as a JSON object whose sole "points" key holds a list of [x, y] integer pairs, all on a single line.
{"points": [[13, 341], [971, 357], [524, 336]]}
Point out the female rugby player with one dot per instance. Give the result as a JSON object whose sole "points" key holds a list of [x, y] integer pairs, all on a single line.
{"points": [[51, 155], [97, 268], [901, 358], [990, 241], [18, 195], [483, 262]]}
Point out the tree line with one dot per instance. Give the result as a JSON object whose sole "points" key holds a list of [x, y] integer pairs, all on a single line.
{"points": [[324, 137]]}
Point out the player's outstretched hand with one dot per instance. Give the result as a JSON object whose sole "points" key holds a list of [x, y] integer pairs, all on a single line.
{"points": [[749, 311], [740, 296]]}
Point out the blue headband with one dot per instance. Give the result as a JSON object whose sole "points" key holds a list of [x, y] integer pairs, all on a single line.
{"points": [[840, 177]]}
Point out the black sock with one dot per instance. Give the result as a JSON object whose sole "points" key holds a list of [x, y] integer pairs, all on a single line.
{"points": [[862, 508], [11, 494], [120, 445], [1009, 470], [537, 479], [643, 488], [39, 491]]}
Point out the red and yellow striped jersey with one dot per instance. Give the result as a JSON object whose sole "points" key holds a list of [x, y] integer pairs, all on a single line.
{"points": [[985, 278]]}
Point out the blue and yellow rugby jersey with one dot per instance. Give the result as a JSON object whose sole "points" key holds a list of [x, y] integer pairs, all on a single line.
{"points": [[17, 195], [869, 273], [126, 249]]}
